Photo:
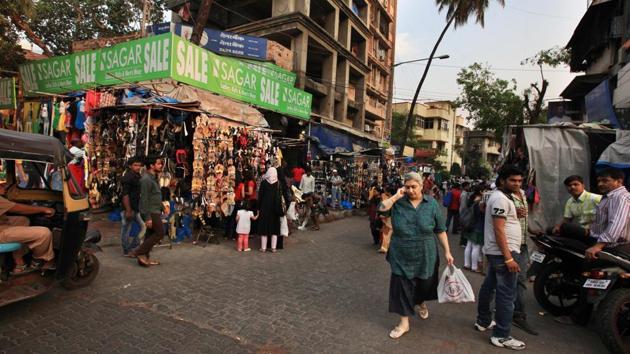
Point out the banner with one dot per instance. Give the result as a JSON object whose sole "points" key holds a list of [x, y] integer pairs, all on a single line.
{"points": [[139, 60], [169, 56], [7, 93], [237, 79]]}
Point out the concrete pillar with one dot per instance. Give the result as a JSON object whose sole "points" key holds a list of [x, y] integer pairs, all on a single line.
{"points": [[303, 6], [343, 73], [359, 118], [282, 7], [329, 68], [299, 46]]}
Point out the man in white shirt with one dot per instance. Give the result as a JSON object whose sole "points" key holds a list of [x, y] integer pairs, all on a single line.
{"points": [[336, 182], [502, 245], [307, 186]]}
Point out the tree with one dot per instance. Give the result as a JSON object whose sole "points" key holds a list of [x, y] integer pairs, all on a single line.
{"points": [[12, 53], [492, 103], [534, 96], [458, 11], [53, 25], [398, 129], [476, 167]]}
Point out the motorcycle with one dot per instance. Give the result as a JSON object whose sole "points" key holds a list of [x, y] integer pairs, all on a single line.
{"points": [[565, 281]]}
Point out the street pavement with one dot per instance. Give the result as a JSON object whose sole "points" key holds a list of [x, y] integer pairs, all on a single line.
{"points": [[326, 292]]}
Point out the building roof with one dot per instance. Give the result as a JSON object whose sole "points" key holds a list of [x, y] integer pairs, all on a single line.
{"points": [[581, 85], [591, 35]]}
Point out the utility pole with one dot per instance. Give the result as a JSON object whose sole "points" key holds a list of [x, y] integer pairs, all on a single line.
{"points": [[145, 17], [201, 20]]}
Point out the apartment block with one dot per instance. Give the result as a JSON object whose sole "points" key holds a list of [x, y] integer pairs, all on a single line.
{"points": [[343, 53], [439, 128]]}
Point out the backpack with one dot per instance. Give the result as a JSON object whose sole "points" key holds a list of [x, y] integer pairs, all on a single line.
{"points": [[448, 198], [467, 215]]}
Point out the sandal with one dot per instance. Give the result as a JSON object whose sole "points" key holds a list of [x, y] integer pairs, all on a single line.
{"points": [[423, 311], [397, 332], [22, 269], [153, 262], [143, 261]]}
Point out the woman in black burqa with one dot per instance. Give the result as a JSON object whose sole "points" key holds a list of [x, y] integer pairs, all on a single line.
{"points": [[270, 206]]}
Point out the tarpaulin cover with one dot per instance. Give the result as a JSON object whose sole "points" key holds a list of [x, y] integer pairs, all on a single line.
{"points": [[32, 147], [617, 154], [332, 141], [555, 154]]}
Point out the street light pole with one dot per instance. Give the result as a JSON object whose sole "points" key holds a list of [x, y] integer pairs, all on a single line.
{"points": [[445, 56]]}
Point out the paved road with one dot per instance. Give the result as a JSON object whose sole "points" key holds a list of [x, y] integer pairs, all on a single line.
{"points": [[325, 293]]}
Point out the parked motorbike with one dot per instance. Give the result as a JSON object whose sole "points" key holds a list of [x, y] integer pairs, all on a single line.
{"points": [[565, 280]]}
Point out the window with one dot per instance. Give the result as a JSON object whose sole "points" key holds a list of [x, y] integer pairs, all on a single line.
{"points": [[419, 123], [428, 124], [441, 146], [443, 125]]}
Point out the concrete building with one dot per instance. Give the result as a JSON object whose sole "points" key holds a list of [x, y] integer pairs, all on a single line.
{"points": [[484, 143], [600, 47], [343, 52], [439, 128]]}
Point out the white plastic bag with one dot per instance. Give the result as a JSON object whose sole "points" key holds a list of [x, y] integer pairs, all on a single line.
{"points": [[291, 212], [454, 287], [284, 226]]}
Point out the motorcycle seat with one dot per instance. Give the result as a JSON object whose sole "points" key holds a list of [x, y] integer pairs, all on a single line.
{"points": [[10, 247], [573, 244]]}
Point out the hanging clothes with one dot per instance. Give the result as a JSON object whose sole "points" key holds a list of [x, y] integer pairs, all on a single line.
{"points": [[79, 122], [92, 99]]}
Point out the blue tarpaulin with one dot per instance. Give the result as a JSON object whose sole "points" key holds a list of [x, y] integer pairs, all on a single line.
{"points": [[331, 141], [599, 105]]}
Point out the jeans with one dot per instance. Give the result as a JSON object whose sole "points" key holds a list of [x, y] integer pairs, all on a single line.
{"points": [[500, 280], [336, 196], [126, 242], [453, 215], [521, 286], [153, 236]]}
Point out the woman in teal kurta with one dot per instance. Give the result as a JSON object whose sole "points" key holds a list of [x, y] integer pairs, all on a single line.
{"points": [[413, 254]]}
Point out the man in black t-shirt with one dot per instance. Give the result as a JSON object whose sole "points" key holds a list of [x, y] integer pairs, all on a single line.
{"points": [[130, 199]]}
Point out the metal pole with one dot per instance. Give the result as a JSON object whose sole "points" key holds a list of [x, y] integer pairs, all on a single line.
{"points": [[146, 148]]}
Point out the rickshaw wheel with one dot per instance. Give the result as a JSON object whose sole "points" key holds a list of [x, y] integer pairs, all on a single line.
{"points": [[83, 272]]}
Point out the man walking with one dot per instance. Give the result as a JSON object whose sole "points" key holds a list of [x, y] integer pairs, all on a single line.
{"points": [[151, 209], [453, 209], [502, 245], [130, 200]]}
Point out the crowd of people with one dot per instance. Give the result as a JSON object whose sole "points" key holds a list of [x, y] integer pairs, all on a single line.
{"points": [[407, 224]]}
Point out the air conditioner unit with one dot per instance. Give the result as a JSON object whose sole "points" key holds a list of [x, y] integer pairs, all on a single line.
{"points": [[367, 128]]}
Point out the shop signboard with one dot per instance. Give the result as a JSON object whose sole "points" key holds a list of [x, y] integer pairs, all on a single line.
{"points": [[7, 93], [139, 60], [236, 79], [221, 42], [60, 74], [169, 56]]}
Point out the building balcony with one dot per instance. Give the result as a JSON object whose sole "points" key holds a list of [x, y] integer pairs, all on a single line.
{"points": [[436, 135], [376, 108]]}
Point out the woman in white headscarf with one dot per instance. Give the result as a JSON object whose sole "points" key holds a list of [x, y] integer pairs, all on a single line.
{"points": [[270, 206]]}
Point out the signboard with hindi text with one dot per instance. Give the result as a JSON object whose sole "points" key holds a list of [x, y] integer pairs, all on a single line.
{"points": [[169, 56], [7, 93]]}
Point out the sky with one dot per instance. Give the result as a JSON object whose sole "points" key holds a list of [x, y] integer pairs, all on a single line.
{"points": [[511, 33]]}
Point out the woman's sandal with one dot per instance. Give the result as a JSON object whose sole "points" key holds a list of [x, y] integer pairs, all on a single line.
{"points": [[153, 262], [397, 332], [423, 311]]}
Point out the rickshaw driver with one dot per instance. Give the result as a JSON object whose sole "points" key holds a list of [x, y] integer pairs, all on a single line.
{"points": [[16, 229]]}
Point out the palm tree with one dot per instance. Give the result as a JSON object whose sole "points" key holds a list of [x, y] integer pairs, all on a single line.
{"points": [[458, 11]]}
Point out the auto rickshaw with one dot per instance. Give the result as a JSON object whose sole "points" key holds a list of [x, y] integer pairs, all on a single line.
{"points": [[47, 182]]}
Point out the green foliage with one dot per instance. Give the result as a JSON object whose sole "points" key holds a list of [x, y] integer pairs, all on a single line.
{"points": [[553, 57], [491, 102], [12, 53], [456, 169], [464, 9], [57, 23], [398, 130], [476, 167]]}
